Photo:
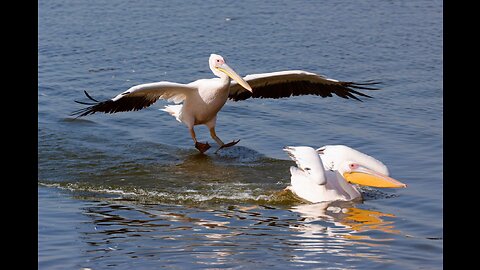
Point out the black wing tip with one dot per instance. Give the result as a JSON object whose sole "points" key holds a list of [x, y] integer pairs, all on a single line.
{"points": [[88, 110], [356, 95], [111, 106], [356, 98], [82, 112], [365, 85], [90, 97], [87, 103], [84, 103]]}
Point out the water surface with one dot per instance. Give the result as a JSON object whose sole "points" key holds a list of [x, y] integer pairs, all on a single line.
{"points": [[129, 190]]}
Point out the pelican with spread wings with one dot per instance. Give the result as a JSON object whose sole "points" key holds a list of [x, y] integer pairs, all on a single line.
{"points": [[203, 99]]}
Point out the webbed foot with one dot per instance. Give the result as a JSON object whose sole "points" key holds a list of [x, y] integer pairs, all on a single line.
{"points": [[202, 147], [232, 143]]}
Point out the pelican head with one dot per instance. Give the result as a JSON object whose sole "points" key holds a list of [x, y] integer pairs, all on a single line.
{"points": [[357, 167], [220, 68]]}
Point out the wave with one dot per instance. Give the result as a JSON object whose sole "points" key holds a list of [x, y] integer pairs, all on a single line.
{"points": [[234, 193]]}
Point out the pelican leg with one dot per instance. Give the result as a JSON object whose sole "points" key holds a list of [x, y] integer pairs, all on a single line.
{"points": [[217, 139], [202, 147]]}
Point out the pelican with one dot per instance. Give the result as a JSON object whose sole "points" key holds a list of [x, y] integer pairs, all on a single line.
{"points": [[203, 99], [327, 173]]}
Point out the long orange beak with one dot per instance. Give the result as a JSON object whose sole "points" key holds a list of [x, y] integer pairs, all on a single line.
{"points": [[367, 177]]}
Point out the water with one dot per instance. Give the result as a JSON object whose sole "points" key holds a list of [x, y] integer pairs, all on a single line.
{"points": [[129, 190]]}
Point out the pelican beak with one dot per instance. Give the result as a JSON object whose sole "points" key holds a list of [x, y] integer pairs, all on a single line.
{"points": [[367, 177], [232, 74]]}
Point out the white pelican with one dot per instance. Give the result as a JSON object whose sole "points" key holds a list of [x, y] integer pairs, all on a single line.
{"points": [[204, 98], [326, 174]]}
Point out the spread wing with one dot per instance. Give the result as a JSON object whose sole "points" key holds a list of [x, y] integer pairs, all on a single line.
{"points": [[137, 98], [295, 83]]}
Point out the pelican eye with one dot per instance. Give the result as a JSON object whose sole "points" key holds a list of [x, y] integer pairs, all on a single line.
{"points": [[308, 169]]}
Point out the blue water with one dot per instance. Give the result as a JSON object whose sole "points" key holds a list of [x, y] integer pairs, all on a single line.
{"points": [[129, 190]]}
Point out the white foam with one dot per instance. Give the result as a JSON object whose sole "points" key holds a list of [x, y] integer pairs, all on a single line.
{"points": [[227, 194]]}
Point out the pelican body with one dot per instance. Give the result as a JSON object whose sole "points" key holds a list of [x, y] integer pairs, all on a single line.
{"points": [[327, 173], [203, 99]]}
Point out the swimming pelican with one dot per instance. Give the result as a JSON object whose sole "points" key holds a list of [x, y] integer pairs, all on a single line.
{"points": [[327, 174], [204, 98]]}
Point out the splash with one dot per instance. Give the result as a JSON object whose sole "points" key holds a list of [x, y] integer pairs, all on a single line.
{"points": [[234, 193]]}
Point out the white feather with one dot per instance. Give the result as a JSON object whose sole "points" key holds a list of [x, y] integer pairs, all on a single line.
{"points": [[175, 111], [308, 180]]}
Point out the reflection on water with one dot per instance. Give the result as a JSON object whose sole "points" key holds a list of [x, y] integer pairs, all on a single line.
{"points": [[307, 234], [333, 227], [346, 214], [362, 220]]}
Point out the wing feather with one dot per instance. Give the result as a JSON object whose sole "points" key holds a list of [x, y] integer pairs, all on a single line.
{"points": [[295, 83], [137, 98]]}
